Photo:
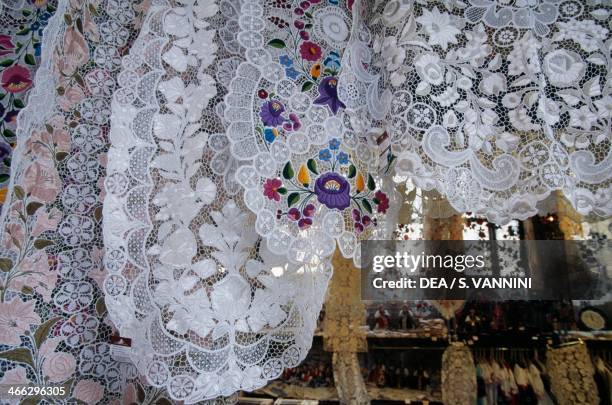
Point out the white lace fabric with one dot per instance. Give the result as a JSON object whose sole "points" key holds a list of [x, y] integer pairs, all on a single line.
{"points": [[493, 104], [250, 138], [209, 309], [309, 175]]}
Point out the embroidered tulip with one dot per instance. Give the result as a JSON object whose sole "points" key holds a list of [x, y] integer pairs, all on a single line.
{"points": [[304, 176], [16, 79], [328, 94], [360, 183], [333, 191], [315, 71]]}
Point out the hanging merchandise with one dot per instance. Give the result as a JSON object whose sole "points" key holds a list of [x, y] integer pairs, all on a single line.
{"points": [[571, 374], [53, 314], [21, 30], [309, 174], [458, 375], [210, 311], [493, 105]]}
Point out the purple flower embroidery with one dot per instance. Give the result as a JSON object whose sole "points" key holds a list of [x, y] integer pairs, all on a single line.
{"points": [[271, 113], [328, 94], [332, 190]]}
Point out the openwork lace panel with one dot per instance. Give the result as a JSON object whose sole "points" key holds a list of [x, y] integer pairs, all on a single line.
{"points": [[53, 319], [309, 174], [493, 104], [210, 310], [21, 29]]}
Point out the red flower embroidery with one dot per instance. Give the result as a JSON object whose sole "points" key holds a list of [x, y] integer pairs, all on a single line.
{"points": [[16, 79], [271, 187], [310, 51]]}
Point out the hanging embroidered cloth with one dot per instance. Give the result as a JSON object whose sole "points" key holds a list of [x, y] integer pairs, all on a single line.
{"points": [[233, 145]]}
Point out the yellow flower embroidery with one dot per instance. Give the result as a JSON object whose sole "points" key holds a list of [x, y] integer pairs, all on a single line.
{"points": [[303, 175], [360, 183]]}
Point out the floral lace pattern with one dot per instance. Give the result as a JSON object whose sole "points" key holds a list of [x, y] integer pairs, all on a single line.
{"points": [[209, 309], [244, 142], [494, 104], [307, 175], [20, 50], [55, 326]]}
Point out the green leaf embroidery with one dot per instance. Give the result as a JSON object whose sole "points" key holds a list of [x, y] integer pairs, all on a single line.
{"points": [[18, 103], [367, 206], [100, 307], [79, 79], [371, 182], [277, 43], [282, 191], [43, 243], [21, 355], [42, 332], [32, 207], [352, 171], [5, 264], [6, 62], [288, 172], [19, 192], [307, 86], [293, 199], [29, 59], [312, 166]]}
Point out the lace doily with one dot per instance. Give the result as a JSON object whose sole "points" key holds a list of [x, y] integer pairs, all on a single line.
{"points": [[309, 175], [209, 309], [495, 105]]}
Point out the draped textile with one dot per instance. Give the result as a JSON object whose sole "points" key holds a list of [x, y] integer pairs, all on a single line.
{"points": [[494, 104], [183, 170]]}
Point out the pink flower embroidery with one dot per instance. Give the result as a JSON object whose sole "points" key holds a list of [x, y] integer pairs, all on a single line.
{"points": [[16, 79], [16, 376], [38, 276], [58, 367], [46, 221], [15, 317], [76, 52], [41, 143], [42, 181], [310, 51], [6, 45], [271, 187], [88, 391], [72, 95]]}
